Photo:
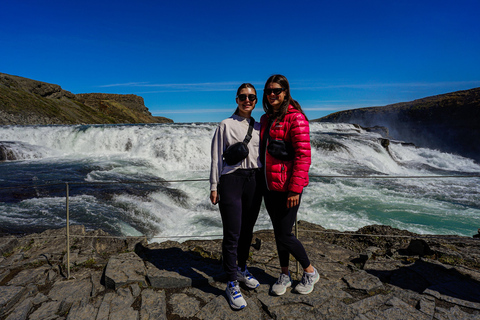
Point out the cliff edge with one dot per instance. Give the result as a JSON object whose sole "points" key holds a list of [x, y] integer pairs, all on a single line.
{"points": [[29, 102], [447, 122]]}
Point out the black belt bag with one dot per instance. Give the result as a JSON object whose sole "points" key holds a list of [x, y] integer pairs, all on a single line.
{"points": [[239, 151], [281, 150]]}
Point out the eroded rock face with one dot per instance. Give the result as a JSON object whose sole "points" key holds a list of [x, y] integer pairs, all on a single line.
{"points": [[448, 122], [99, 101], [43, 89], [6, 153]]}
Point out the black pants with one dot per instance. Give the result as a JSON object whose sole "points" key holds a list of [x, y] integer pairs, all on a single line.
{"points": [[283, 220], [240, 199]]}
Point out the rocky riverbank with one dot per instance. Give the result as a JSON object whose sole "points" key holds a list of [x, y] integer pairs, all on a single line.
{"points": [[448, 122], [375, 273]]}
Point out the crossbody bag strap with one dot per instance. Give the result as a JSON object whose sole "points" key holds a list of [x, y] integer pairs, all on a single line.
{"points": [[249, 132]]}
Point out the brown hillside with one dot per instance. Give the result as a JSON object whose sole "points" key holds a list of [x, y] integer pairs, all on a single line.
{"points": [[29, 102]]}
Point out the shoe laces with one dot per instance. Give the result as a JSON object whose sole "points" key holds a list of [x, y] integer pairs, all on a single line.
{"points": [[283, 279], [307, 279], [234, 289], [247, 274]]}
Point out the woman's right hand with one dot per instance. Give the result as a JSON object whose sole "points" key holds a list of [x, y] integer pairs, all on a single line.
{"points": [[214, 196]]}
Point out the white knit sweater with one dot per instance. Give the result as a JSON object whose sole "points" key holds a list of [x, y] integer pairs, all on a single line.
{"points": [[231, 131]]}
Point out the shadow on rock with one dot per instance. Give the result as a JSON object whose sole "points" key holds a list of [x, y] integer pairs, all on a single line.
{"points": [[174, 267], [440, 281]]}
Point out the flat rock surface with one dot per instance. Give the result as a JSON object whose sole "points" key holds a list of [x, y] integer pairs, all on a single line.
{"points": [[361, 277]]}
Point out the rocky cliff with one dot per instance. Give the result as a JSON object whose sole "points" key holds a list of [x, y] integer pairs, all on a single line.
{"points": [[29, 102], [377, 272], [448, 122]]}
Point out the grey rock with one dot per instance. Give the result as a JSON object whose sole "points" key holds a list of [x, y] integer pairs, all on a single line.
{"points": [[183, 305], [454, 313], [25, 277], [292, 311], [47, 311], [122, 300], [370, 303], [396, 313], [13, 260], [104, 309], [39, 298], [136, 290], [22, 310], [96, 280], [335, 309], [117, 305], [4, 273], [71, 291], [51, 275], [124, 314], [153, 305], [362, 280], [82, 310], [219, 309], [9, 296], [7, 245], [123, 269], [166, 279], [412, 288], [203, 296], [427, 305]]}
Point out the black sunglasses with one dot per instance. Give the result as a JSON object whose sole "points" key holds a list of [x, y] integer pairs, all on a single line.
{"points": [[276, 91], [243, 97]]}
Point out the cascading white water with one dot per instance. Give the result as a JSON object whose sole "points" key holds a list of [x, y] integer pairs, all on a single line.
{"points": [[119, 153]]}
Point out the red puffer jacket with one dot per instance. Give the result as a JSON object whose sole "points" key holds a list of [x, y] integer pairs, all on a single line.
{"points": [[288, 175]]}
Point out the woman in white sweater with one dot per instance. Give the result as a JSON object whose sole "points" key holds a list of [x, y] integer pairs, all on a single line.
{"points": [[234, 187]]}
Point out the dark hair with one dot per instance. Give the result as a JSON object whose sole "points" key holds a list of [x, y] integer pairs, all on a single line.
{"points": [[267, 107], [243, 86]]}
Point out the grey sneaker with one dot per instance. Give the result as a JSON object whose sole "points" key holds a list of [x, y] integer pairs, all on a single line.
{"points": [[235, 296], [308, 282], [283, 282], [247, 278]]}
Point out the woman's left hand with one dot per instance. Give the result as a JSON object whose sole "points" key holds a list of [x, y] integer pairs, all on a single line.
{"points": [[214, 196], [293, 199]]}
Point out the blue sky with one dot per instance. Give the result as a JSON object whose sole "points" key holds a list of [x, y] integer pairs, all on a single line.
{"points": [[186, 58]]}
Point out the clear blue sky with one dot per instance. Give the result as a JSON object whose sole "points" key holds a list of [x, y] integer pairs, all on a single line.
{"points": [[186, 58]]}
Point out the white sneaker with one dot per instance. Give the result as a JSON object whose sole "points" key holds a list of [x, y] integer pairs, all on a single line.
{"points": [[283, 282], [235, 296], [308, 282], [247, 278]]}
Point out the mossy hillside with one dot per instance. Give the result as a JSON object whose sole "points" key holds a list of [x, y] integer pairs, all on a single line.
{"points": [[29, 102]]}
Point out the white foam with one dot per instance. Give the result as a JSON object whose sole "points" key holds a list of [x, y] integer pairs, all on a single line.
{"points": [[178, 152]]}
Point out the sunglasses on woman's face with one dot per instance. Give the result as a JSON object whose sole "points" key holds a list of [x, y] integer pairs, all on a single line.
{"points": [[276, 91], [243, 97]]}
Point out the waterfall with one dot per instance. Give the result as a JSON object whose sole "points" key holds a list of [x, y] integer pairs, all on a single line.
{"points": [[101, 161]]}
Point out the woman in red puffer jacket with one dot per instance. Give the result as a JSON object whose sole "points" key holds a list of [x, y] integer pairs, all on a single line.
{"points": [[286, 157]]}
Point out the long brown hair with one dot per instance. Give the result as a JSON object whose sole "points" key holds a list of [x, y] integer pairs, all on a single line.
{"points": [[243, 86], [267, 107]]}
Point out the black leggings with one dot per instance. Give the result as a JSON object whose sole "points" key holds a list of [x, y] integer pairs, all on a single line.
{"points": [[240, 200], [283, 220]]}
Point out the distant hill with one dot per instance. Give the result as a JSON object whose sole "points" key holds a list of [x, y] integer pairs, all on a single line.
{"points": [[29, 102], [448, 122]]}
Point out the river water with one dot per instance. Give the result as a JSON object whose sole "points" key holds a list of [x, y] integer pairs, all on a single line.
{"points": [[115, 173]]}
